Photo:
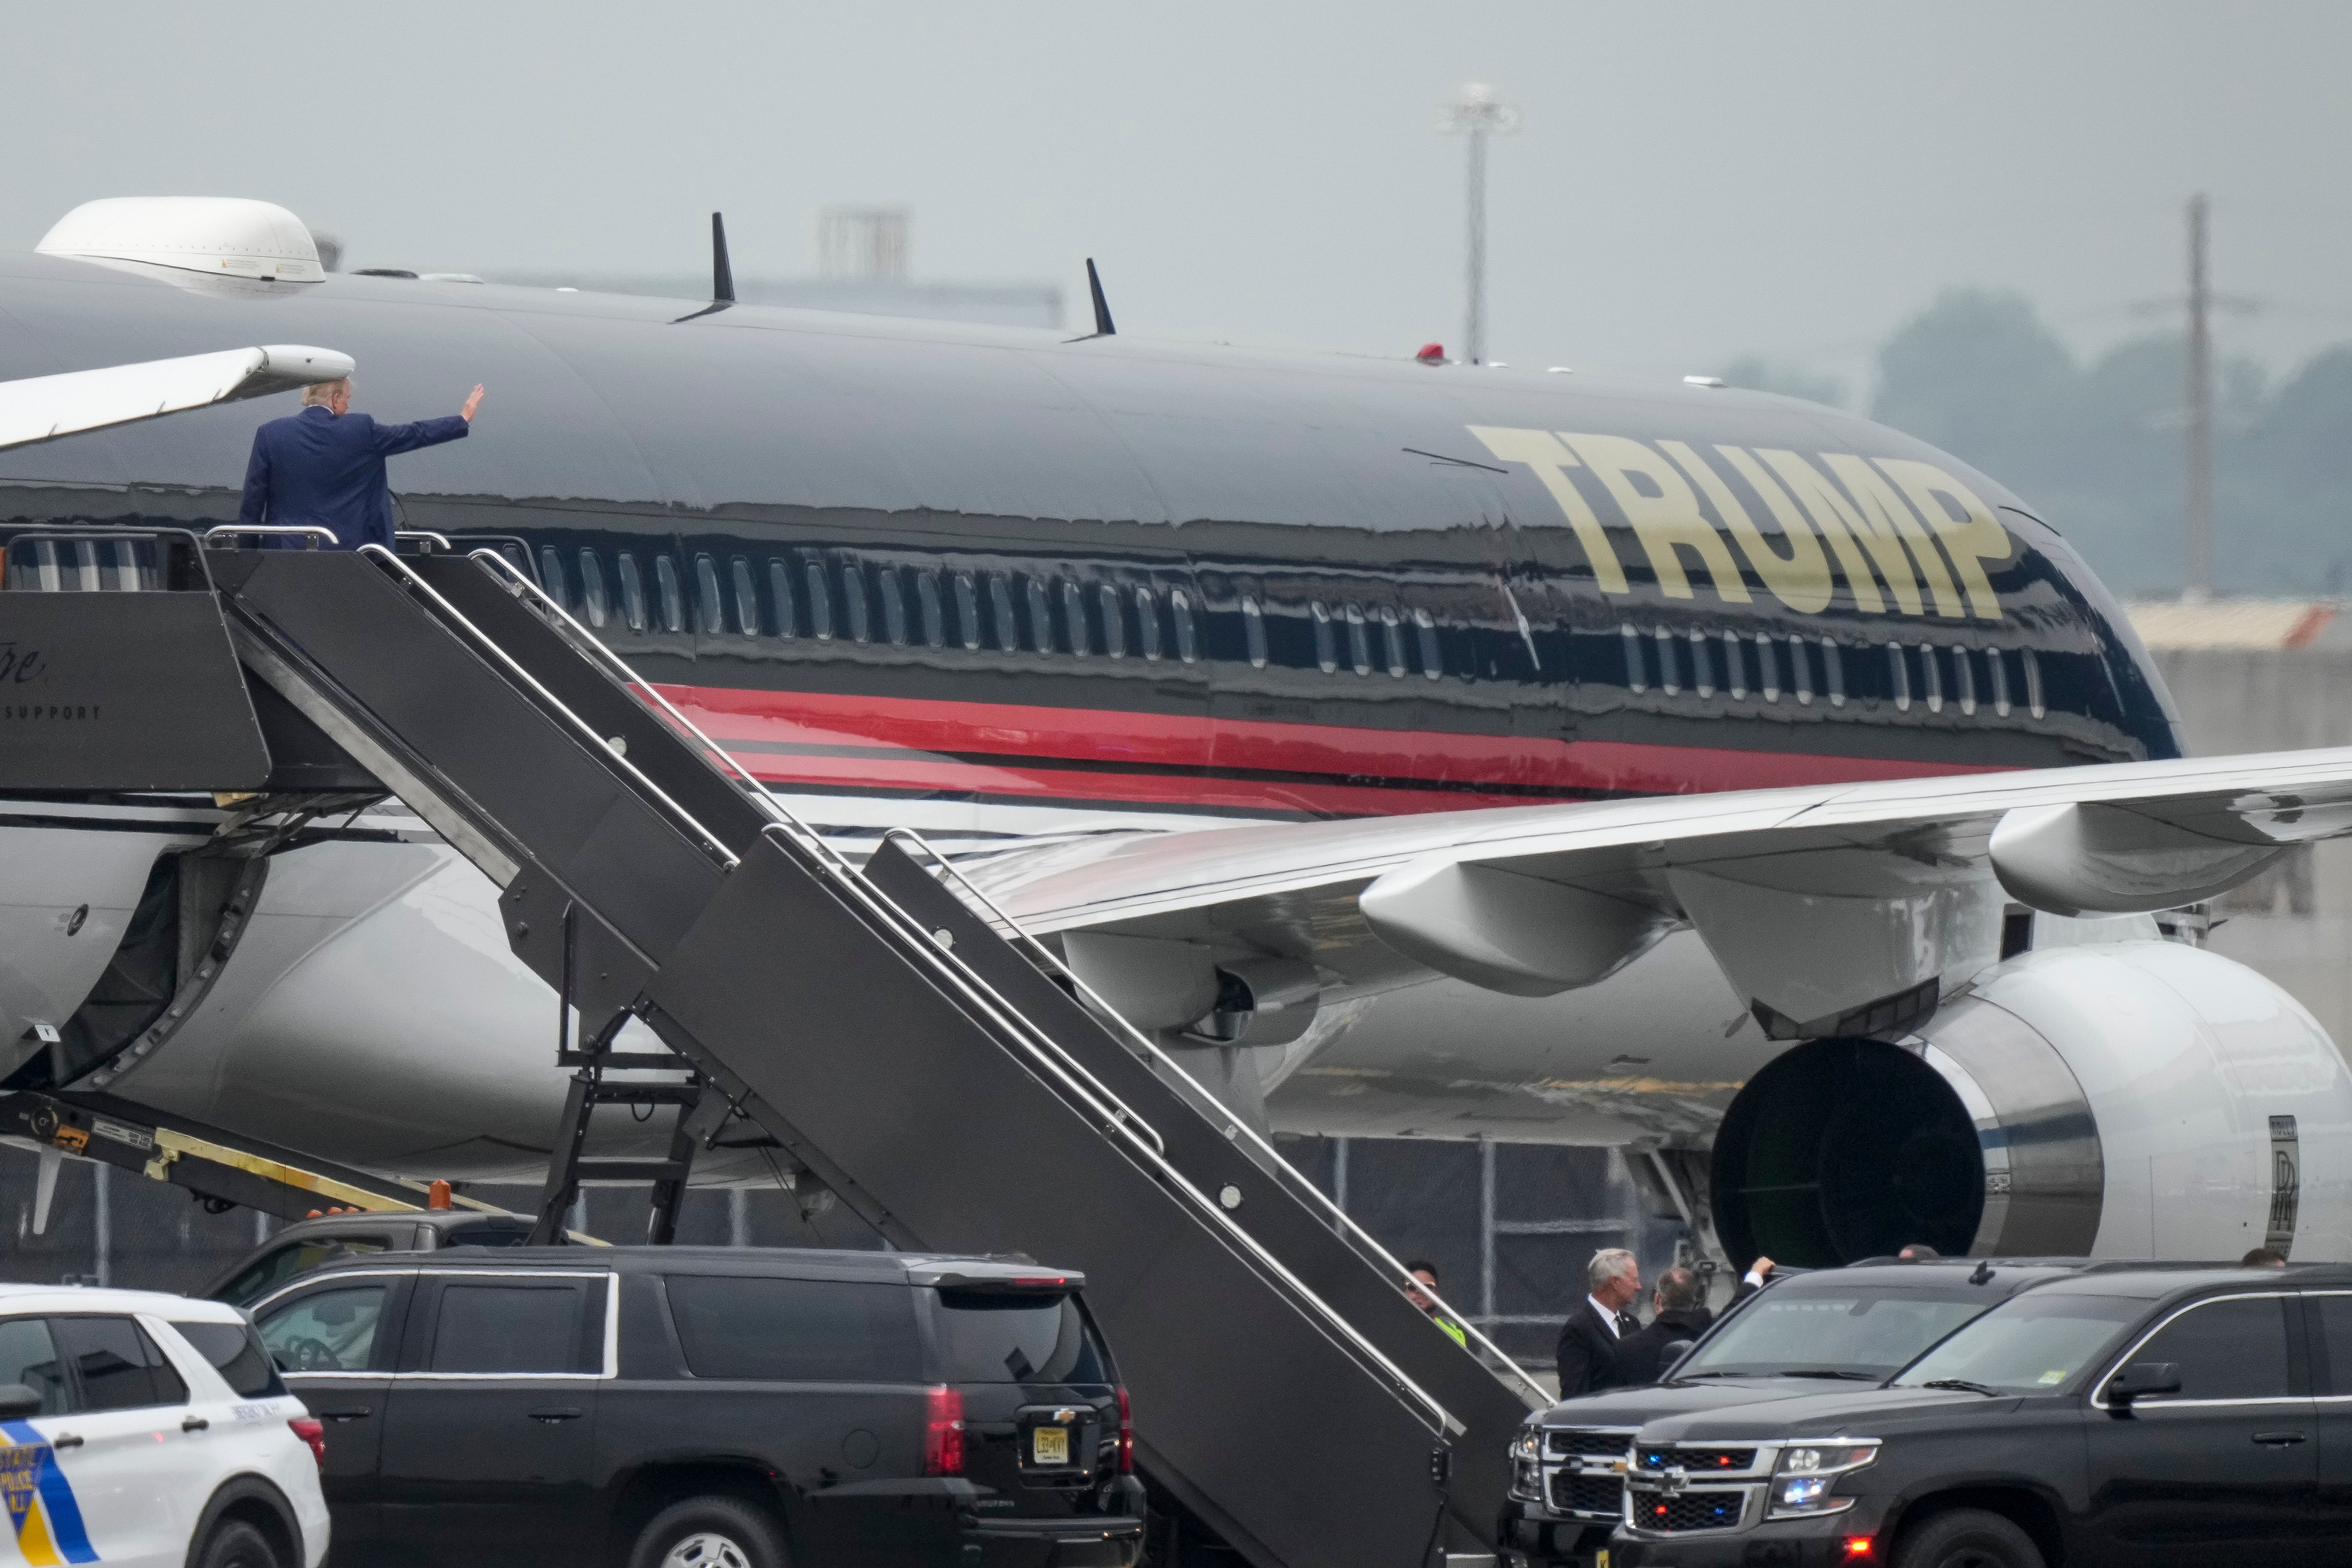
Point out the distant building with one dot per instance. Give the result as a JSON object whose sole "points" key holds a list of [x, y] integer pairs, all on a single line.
{"points": [[2271, 675]]}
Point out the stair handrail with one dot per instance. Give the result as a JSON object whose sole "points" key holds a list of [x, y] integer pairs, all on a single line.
{"points": [[1314, 1197], [1148, 1145], [310, 531], [1064, 1066], [597, 742]]}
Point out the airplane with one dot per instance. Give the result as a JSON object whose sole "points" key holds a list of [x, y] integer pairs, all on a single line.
{"points": [[1422, 750]]}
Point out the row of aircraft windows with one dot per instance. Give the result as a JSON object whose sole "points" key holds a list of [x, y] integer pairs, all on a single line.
{"points": [[863, 602], [1927, 673]]}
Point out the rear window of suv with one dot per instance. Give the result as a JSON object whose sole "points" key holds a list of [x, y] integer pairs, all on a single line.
{"points": [[236, 1352], [992, 1336], [795, 1331]]}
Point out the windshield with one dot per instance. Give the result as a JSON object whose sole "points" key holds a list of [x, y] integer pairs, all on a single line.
{"points": [[2029, 1345], [1861, 1331]]}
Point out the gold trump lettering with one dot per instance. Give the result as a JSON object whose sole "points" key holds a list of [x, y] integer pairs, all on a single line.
{"points": [[1880, 521]]}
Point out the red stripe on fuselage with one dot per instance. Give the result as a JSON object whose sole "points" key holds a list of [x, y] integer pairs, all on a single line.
{"points": [[1010, 751]]}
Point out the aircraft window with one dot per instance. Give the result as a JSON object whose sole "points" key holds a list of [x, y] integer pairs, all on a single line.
{"points": [[1147, 622], [853, 606], [551, 575], [1998, 664], [779, 589], [1000, 604], [1114, 620], [1932, 667], [926, 605], [2034, 683], [747, 598], [1735, 664], [1327, 644], [967, 597], [633, 592], [820, 601], [1964, 680], [1254, 630], [1637, 672], [1392, 642], [709, 614], [1668, 680], [673, 602], [1801, 670], [1768, 666], [1188, 634], [1073, 616], [592, 588], [1702, 663], [894, 606], [1041, 617], [1899, 677], [1834, 671], [1432, 660], [1360, 641]]}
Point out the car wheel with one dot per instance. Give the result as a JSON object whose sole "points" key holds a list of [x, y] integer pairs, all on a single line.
{"points": [[233, 1544], [1967, 1537], [712, 1532]]}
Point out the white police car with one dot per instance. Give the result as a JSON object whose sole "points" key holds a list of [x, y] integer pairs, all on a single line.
{"points": [[137, 1427]]}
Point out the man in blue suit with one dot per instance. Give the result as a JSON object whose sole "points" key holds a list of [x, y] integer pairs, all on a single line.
{"points": [[325, 466]]}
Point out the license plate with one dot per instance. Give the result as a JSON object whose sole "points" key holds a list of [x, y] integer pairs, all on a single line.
{"points": [[1051, 1445]]}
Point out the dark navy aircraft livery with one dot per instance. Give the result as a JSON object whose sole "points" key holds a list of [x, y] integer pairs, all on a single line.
{"points": [[1433, 750]]}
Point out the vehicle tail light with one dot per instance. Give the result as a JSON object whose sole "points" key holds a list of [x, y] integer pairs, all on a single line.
{"points": [[312, 1431], [1126, 1435], [942, 1431]]}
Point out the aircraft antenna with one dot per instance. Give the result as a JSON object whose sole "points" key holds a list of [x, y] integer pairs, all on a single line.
{"points": [[1477, 114], [1103, 326], [722, 272]]}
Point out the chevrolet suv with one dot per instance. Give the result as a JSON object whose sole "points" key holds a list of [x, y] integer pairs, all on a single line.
{"points": [[672, 1404], [1856, 1324]]}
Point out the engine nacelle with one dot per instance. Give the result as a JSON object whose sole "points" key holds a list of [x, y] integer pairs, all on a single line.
{"points": [[2128, 1100]]}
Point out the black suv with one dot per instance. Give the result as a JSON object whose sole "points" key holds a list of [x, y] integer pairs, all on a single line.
{"points": [[310, 1244], [2188, 1414], [1857, 1324], [652, 1406]]}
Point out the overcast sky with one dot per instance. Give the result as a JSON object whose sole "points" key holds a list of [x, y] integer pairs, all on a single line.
{"points": [[1695, 181]]}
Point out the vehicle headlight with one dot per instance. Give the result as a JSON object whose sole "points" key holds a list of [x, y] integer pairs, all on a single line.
{"points": [[1807, 1474], [1522, 1447]]}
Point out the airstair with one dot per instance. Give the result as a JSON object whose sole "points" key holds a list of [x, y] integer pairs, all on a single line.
{"points": [[941, 1072]]}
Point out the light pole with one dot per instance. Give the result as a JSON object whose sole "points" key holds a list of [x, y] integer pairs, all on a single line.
{"points": [[1477, 114]]}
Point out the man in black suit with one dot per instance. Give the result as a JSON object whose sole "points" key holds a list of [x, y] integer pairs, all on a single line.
{"points": [[1589, 1340], [1682, 1314]]}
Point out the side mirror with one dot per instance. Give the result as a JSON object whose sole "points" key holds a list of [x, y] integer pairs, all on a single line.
{"points": [[17, 1402], [1670, 1355], [2142, 1378]]}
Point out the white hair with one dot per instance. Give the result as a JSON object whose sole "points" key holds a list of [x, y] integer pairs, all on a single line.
{"points": [[1608, 1263], [320, 394]]}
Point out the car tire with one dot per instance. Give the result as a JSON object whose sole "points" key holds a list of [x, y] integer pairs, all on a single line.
{"points": [[234, 1543], [712, 1532], [1967, 1537]]}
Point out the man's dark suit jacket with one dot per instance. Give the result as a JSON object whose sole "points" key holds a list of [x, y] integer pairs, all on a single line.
{"points": [[1641, 1356], [314, 468], [1588, 1349]]}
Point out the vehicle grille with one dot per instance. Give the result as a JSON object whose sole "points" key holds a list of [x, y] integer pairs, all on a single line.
{"points": [[1687, 1510], [1697, 1460], [1561, 1444], [1574, 1493]]}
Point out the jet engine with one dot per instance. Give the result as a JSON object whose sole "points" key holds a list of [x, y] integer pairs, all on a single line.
{"points": [[2125, 1100]]}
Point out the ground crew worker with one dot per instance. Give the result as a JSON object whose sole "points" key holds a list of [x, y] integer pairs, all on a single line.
{"points": [[1427, 1274], [325, 466]]}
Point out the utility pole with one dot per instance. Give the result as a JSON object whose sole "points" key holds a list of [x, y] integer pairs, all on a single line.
{"points": [[1477, 114], [2197, 489]]}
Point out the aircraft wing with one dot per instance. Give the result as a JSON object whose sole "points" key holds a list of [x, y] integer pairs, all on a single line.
{"points": [[1827, 907], [45, 407]]}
